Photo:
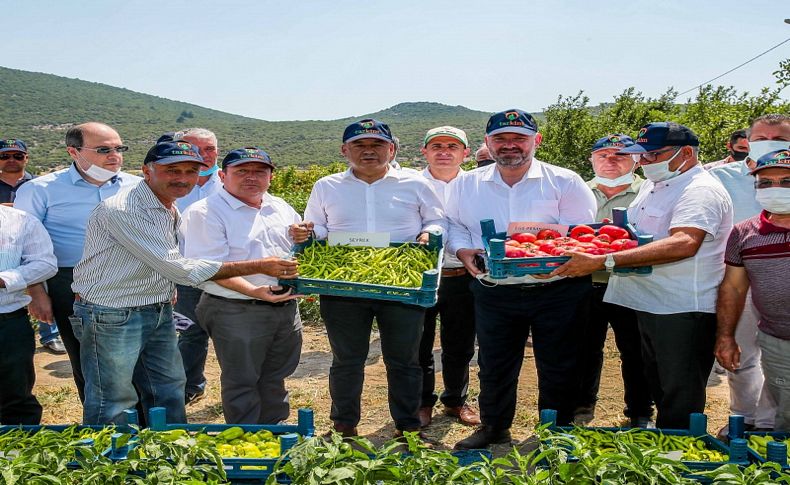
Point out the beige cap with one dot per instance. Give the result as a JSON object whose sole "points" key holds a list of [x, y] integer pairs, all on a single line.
{"points": [[450, 131]]}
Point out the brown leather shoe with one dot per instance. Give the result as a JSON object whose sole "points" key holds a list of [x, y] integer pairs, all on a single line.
{"points": [[465, 414], [426, 415]]}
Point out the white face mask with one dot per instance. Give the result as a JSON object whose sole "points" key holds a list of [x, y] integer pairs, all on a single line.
{"points": [[621, 180], [98, 173], [659, 172], [775, 200], [759, 148]]}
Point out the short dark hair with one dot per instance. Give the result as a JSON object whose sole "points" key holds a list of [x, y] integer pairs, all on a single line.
{"points": [[74, 137], [737, 135], [770, 119]]}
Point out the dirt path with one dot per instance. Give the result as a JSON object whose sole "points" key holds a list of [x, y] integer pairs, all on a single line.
{"points": [[309, 388]]}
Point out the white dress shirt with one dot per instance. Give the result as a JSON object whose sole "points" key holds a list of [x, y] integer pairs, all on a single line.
{"points": [[26, 257], [546, 193], [200, 192], [442, 189], [400, 203], [692, 199], [223, 228]]}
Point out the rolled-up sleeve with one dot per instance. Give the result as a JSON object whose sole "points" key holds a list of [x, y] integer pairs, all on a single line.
{"points": [[37, 261], [159, 253]]}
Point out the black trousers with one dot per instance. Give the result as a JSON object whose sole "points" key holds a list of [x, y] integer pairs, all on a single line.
{"points": [[505, 315], [59, 289], [192, 342], [456, 310], [348, 325], [18, 405], [678, 354], [626, 334]]}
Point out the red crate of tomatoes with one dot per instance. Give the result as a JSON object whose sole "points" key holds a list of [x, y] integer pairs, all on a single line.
{"points": [[524, 253]]}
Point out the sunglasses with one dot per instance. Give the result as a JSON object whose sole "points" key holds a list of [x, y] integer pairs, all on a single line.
{"points": [[15, 156], [106, 150]]}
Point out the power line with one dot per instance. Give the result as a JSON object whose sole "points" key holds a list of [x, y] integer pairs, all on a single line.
{"points": [[734, 68]]}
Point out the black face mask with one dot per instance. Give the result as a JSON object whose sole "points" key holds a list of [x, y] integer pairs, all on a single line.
{"points": [[738, 156]]}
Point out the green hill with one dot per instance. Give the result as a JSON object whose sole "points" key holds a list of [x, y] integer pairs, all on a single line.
{"points": [[39, 108]]}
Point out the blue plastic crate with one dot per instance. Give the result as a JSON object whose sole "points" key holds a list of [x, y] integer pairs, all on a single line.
{"points": [[424, 296], [499, 267], [247, 469], [697, 428], [758, 458]]}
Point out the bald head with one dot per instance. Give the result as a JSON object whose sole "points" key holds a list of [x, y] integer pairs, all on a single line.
{"points": [[76, 135]]}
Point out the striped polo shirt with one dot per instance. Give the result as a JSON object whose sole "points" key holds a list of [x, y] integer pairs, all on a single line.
{"points": [[764, 250], [131, 256]]}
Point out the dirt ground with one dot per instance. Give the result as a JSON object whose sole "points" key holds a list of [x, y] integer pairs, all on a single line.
{"points": [[309, 388]]}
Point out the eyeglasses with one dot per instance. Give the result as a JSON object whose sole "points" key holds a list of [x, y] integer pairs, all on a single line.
{"points": [[767, 183], [15, 156], [651, 157], [106, 150]]}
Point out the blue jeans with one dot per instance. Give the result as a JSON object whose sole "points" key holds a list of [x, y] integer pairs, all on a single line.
{"points": [[47, 333], [124, 348]]}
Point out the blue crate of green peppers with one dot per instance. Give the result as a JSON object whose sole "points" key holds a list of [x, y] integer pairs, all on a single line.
{"points": [[407, 272]]}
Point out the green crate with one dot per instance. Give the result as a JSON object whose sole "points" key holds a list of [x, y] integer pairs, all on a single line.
{"points": [[424, 296]]}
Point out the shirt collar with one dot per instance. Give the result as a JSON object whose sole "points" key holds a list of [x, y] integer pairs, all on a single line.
{"points": [[767, 227], [492, 174], [148, 199], [237, 204], [427, 174], [391, 172]]}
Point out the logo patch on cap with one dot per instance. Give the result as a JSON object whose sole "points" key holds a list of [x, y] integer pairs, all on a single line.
{"points": [[184, 146], [367, 124], [511, 115]]}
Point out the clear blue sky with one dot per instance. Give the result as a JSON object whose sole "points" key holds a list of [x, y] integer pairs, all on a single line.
{"points": [[325, 59]]}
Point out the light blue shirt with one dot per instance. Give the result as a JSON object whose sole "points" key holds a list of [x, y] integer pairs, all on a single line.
{"points": [[63, 201], [212, 185], [739, 183]]}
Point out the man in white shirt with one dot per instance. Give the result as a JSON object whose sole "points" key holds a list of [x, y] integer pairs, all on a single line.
{"points": [[520, 188], [445, 148], [371, 196], [257, 334], [690, 216], [193, 341], [26, 258]]}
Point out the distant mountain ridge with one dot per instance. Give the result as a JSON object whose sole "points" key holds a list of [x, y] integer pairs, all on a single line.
{"points": [[39, 108]]}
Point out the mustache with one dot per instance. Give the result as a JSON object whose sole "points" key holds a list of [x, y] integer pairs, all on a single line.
{"points": [[180, 185]]}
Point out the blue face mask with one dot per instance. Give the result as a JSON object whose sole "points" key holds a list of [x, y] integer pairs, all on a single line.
{"points": [[210, 171]]}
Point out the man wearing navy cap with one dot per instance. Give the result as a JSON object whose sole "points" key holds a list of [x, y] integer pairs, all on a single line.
{"points": [[13, 159], [371, 196], [520, 188], [614, 185], [124, 286], [758, 258], [689, 214], [257, 334]]}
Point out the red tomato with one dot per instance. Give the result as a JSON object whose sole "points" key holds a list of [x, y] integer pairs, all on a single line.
{"points": [[547, 247], [523, 237], [587, 245], [614, 232], [622, 244], [558, 251], [596, 251], [600, 243], [565, 240], [580, 230], [512, 242], [585, 237], [603, 237], [511, 252], [548, 234]]}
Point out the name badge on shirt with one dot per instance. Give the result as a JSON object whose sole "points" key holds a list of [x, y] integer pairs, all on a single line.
{"points": [[535, 227], [374, 239]]}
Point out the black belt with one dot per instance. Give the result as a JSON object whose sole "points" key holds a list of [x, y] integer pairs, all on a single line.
{"points": [[252, 301], [452, 272], [153, 306], [16, 313]]}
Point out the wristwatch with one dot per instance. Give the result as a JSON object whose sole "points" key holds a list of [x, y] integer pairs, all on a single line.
{"points": [[609, 263]]}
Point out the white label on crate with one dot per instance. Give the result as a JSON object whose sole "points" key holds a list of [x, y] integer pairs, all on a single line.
{"points": [[374, 239], [535, 227]]}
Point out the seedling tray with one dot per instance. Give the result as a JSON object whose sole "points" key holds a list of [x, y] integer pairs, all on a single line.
{"points": [[499, 267], [424, 296]]}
